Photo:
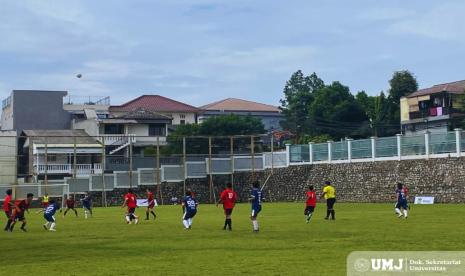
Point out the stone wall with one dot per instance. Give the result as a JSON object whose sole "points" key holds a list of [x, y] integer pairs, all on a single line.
{"points": [[357, 182]]}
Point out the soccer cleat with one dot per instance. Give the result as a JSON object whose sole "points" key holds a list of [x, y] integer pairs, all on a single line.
{"points": [[136, 221], [23, 229], [399, 216], [326, 218], [52, 229], [45, 227]]}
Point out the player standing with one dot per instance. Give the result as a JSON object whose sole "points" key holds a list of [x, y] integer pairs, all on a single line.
{"points": [[150, 205], [131, 202], [8, 208], [87, 204], [329, 193], [70, 203], [255, 198], [228, 197], [189, 208], [310, 204], [401, 201], [18, 212], [49, 215]]}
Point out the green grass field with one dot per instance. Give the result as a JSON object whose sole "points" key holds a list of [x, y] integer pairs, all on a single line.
{"points": [[105, 245]]}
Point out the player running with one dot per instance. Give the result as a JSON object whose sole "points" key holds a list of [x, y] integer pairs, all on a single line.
{"points": [[329, 193], [8, 208], [255, 198], [189, 208], [70, 204], [150, 205], [310, 204], [87, 205], [49, 215], [131, 202], [228, 197], [401, 201], [21, 206]]}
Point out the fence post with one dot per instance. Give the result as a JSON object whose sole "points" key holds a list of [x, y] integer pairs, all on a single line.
{"points": [[373, 148], [349, 150], [310, 152], [330, 157], [458, 147], [288, 155], [399, 146], [427, 144]]}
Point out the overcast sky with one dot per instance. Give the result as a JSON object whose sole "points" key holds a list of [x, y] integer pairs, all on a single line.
{"points": [[199, 51]]}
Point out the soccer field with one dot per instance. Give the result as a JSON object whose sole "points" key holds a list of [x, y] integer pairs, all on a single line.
{"points": [[286, 245]]}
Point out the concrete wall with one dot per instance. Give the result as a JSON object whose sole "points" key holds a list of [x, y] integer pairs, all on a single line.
{"points": [[7, 157], [39, 110], [90, 126]]}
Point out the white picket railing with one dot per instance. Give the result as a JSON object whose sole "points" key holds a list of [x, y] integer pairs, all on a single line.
{"points": [[81, 169], [116, 139]]}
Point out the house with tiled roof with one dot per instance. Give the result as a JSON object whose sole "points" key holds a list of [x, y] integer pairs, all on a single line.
{"points": [[181, 113], [435, 109], [269, 114]]}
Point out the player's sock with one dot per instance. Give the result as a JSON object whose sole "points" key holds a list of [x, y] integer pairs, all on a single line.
{"points": [[398, 212], [327, 213], [52, 226], [8, 224], [22, 226], [405, 213], [128, 218], [190, 222], [46, 225], [225, 224], [76, 213], [146, 215], [186, 223], [230, 224], [255, 225], [153, 213], [12, 226], [309, 216], [333, 214], [85, 214], [136, 219]]}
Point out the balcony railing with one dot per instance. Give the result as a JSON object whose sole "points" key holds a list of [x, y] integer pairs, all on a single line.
{"points": [[432, 112], [81, 169]]}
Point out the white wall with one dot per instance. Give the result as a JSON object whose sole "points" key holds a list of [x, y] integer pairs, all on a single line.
{"points": [[7, 157], [189, 118], [89, 126]]}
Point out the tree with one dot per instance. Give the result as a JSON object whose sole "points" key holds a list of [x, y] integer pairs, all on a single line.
{"points": [[226, 125], [402, 84], [298, 95]]}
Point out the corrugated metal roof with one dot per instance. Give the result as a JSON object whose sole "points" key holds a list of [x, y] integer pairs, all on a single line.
{"points": [[65, 136]]}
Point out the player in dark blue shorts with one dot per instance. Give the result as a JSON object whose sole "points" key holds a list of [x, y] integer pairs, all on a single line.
{"points": [[49, 213], [87, 204], [255, 198], [401, 201], [189, 208]]}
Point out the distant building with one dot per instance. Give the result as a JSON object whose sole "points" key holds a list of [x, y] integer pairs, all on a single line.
{"points": [[52, 153], [34, 109], [269, 114], [179, 112], [434, 109]]}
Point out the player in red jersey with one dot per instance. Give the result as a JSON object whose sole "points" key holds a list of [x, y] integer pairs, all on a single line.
{"points": [[150, 205], [228, 197], [310, 204], [130, 201], [8, 208], [21, 206], [70, 203]]}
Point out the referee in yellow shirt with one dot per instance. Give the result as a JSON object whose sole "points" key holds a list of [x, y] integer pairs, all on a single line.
{"points": [[329, 193]]}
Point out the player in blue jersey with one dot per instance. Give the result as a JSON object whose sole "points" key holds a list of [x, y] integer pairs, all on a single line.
{"points": [[87, 204], [49, 213], [189, 208], [401, 194], [255, 198]]}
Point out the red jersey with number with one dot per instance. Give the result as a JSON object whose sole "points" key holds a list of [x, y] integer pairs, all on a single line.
{"points": [[228, 197], [131, 200], [150, 199], [6, 204], [311, 198]]}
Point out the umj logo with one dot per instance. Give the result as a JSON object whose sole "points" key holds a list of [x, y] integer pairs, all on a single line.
{"points": [[387, 264], [365, 265]]}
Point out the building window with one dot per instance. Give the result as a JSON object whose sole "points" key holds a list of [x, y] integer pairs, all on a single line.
{"points": [[182, 122], [114, 129], [51, 158], [157, 130], [182, 116]]}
